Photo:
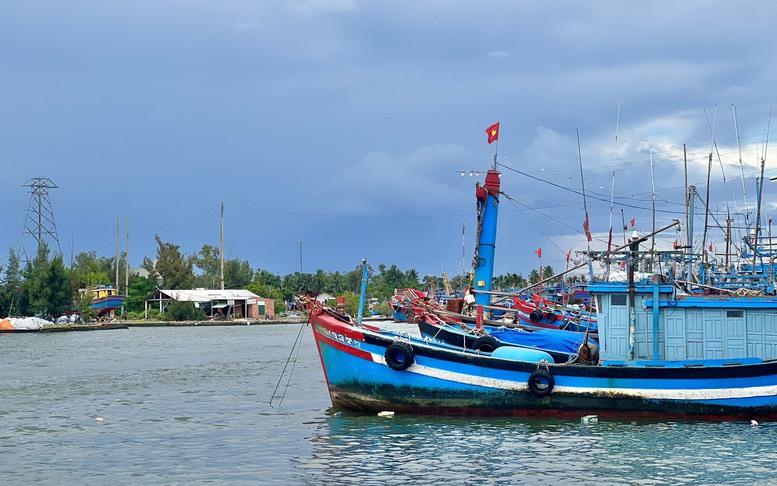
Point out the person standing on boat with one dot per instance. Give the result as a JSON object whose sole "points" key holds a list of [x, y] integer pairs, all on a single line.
{"points": [[469, 301]]}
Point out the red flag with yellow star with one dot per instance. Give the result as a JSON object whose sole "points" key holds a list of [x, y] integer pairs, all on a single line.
{"points": [[493, 133]]}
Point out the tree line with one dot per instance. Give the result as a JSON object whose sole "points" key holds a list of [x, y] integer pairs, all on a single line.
{"points": [[45, 286]]}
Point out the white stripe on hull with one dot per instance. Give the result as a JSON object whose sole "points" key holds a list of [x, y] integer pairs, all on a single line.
{"points": [[640, 393]]}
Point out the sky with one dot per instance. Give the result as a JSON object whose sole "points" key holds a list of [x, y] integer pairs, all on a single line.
{"points": [[336, 130]]}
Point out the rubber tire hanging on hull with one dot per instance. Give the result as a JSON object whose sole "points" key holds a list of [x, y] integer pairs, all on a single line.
{"points": [[399, 356], [487, 344], [535, 315], [541, 383]]}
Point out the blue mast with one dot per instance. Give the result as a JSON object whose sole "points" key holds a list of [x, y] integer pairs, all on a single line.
{"points": [[362, 293], [488, 209]]}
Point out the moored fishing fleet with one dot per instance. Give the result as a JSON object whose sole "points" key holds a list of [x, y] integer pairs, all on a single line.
{"points": [[658, 343]]}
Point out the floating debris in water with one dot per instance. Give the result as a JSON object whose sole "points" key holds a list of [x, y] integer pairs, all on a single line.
{"points": [[385, 414], [753, 423], [98, 419], [589, 419]]}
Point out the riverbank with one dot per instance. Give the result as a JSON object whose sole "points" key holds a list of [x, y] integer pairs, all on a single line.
{"points": [[233, 322], [127, 324], [106, 326]]}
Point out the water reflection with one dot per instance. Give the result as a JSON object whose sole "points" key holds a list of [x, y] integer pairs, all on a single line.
{"points": [[358, 448]]}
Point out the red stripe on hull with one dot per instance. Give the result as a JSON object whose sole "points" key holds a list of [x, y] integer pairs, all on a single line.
{"points": [[325, 337]]}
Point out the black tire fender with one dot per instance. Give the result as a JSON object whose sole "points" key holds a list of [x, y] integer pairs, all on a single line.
{"points": [[550, 317], [535, 315], [541, 383], [486, 344], [399, 356]]}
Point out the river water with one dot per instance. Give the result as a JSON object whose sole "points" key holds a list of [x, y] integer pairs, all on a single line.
{"points": [[192, 405]]}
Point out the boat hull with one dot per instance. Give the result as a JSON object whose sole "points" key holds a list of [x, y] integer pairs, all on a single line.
{"points": [[442, 380], [110, 302]]}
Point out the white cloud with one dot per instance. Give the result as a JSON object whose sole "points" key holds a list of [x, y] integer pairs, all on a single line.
{"points": [[314, 7], [501, 53]]}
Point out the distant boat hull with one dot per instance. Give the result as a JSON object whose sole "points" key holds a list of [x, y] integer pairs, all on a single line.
{"points": [[107, 303]]}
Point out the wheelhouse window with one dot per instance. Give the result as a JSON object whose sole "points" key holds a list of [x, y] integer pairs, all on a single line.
{"points": [[618, 299]]}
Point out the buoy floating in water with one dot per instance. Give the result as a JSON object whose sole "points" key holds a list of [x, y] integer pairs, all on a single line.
{"points": [[753, 422], [385, 414], [98, 419]]}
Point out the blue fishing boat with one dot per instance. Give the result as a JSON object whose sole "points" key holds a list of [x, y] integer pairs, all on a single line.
{"points": [[661, 354], [543, 316], [370, 369]]}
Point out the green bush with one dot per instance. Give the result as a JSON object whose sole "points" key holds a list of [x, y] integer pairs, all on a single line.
{"points": [[182, 311]]}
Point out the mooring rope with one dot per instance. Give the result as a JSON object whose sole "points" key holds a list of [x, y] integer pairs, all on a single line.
{"points": [[295, 348]]}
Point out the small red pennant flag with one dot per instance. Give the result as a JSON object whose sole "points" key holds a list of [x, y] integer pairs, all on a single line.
{"points": [[633, 222], [568, 254], [539, 252], [587, 228]]}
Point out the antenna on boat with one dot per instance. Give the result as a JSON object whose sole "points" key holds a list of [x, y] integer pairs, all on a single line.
{"points": [[741, 166], [609, 238], [586, 223], [707, 202], [463, 249], [725, 187], [653, 197], [760, 192], [612, 196]]}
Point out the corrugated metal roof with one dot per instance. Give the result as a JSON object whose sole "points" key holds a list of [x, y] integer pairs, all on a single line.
{"points": [[209, 295]]}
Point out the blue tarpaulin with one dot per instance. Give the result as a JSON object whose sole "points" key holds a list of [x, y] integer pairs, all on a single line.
{"points": [[548, 339]]}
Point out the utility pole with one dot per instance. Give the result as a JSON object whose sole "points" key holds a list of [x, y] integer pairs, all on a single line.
{"points": [[300, 256], [127, 266], [221, 249], [118, 247]]}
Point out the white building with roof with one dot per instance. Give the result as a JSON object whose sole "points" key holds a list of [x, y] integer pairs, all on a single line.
{"points": [[237, 303]]}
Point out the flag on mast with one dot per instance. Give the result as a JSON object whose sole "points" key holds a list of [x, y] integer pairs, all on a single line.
{"points": [[587, 228], [493, 133], [539, 253]]}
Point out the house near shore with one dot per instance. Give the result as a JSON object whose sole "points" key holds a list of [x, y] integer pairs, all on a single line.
{"points": [[237, 304]]}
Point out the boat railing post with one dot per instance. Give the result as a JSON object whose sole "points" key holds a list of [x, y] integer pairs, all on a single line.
{"points": [[479, 317], [656, 296], [632, 262], [362, 293]]}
